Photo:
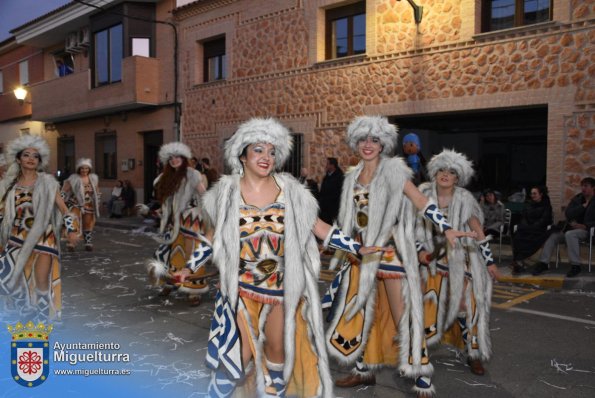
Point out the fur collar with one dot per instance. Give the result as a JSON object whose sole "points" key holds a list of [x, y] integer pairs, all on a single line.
{"points": [[302, 260], [173, 206], [46, 212], [78, 190], [462, 207]]}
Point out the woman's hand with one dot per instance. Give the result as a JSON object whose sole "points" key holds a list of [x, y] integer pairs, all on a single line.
{"points": [[181, 275], [494, 272], [365, 250], [424, 257], [452, 235], [72, 238]]}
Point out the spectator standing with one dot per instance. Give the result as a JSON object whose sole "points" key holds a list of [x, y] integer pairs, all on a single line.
{"points": [[580, 218], [212, 175], [532, 231], [330, 191], [493, 212]]}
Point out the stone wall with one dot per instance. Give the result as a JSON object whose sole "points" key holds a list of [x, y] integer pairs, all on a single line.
{"points": [[404, 74]]}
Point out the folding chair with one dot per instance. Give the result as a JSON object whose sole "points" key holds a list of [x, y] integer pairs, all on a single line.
{"points": [[504, 229], [586, 242]]}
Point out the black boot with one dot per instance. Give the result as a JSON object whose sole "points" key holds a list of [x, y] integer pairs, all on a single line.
{"points": [[574, 271], [539, 268], [517, 268]]}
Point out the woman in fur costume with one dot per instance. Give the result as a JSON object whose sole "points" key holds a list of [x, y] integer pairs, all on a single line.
{"points": [[82, 196], [30, 207], [178, 189], [268, 308], [377, 300], [457, 298]]}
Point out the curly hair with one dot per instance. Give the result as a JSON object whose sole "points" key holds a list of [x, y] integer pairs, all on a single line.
{"points": [[170, 181]]}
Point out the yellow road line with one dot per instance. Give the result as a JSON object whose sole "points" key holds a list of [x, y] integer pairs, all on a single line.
{"points": [[519, 300]]}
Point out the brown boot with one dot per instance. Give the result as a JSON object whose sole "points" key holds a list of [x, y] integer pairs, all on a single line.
{"points": [[476, 366], [353, 380], [165, 291]]}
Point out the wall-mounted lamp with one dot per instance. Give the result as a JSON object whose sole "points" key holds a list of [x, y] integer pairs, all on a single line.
{"points": [[418, 11], [21, 94]]}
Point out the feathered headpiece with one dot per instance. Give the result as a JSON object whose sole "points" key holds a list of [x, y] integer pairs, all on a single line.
{"points": [[28, 141], [174, 149], [83, 162], [254, 131], [373, 126], [451, 159]]}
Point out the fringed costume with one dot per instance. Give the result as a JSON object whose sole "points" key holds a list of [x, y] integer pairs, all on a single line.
{"points": [[467, 279], [362, 330], [29, 232], [180, 224], [266, 257], [82, 199]]}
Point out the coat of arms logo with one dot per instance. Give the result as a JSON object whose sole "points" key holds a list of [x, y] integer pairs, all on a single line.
{"points": [[30, 353]]}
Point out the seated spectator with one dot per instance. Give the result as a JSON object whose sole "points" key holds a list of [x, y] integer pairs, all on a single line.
{"points": [[116, 196], [532, 231], [493, 212], [580, 218], [129, 196]]}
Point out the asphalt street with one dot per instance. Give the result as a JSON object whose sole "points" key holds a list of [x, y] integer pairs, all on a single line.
{"points": [[543, 339]]}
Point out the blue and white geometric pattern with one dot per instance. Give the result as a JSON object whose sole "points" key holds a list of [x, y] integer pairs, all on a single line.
{"points": [[486, 253], [224, 349], [343, 242], [201, 254], [327, 300], [68, 221], [434, 214], [419, 247]]}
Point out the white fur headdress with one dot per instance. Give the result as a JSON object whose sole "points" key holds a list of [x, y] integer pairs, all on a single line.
{"points": [[2, 160], [28, 141], [451, 159], [174, 149], [83, 162], [254, 131], [374, 126]]}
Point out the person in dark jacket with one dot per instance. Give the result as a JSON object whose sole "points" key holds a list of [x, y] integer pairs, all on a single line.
{"points": [[330, 191], [580, 218], [129, 196], [533, 230]]}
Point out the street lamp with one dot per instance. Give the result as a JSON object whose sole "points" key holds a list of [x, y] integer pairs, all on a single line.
{"points": [[21, 94]]}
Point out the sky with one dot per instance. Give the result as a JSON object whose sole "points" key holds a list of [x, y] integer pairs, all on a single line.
{"points": [[14, 13]]}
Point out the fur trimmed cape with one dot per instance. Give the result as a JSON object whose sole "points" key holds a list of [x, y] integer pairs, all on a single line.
{"points": [[78, 190], [390, 214], [462, 207], [46, 212], [173, 206], [221, 205]]}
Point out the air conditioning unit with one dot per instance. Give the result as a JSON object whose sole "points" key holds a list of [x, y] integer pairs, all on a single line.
{"points": [[71, 43], [83, 38]]}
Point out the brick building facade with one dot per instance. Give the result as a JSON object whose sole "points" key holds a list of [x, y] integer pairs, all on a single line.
{"points": [[462, 77]]}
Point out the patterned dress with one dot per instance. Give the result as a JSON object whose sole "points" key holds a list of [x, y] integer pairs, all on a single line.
{"points": [[175, 255], [260, 286], [381, 348], [436, 300], [27, 298]]}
